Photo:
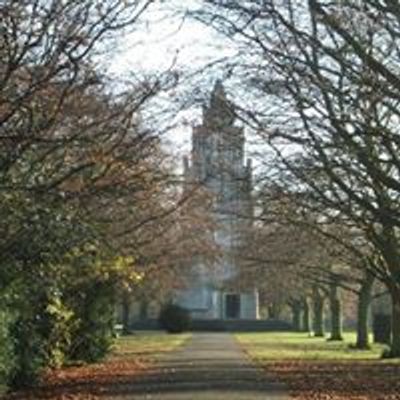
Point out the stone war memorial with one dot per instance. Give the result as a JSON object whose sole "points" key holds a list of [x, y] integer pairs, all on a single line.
{"points": [[218, 164]]}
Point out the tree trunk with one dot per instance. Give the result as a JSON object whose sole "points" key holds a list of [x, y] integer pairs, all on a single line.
{"points": [[318, 311], [382, 328], [143, 311], [274, 310], [395, 344], [271, 312], [336, 312], [126, 310], [306, 316], [364, 302], [296, 315]]}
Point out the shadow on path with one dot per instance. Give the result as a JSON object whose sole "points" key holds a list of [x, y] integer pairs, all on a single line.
{"points": [[210, 366]]}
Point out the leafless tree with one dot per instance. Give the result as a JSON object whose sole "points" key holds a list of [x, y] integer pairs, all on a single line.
{"points": [[329, 76]]}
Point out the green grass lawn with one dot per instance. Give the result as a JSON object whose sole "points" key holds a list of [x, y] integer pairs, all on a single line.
{"points": [[314, 368], [280, 346], [148, 344]]}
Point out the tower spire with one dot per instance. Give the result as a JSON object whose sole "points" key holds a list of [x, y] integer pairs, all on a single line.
{"points": [[220, 111], [218, 92]]}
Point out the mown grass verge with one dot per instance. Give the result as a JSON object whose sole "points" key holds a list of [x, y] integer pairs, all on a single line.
{"points": [[300, 346], [316, 369]]}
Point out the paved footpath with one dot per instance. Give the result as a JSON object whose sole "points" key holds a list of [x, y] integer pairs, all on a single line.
{"points": [[211, 366]]}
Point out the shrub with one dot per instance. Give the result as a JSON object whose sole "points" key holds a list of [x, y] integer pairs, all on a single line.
{"points": [[174, 319], [95, 332], [7, 357], [40, 334], [56, 325], [28, 352]]}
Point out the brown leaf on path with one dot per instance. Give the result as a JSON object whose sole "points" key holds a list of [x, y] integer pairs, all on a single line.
{"points": [[318, 380], [88, 382]]}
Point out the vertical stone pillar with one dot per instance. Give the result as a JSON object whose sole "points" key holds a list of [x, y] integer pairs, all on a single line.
{"points": [[256, 304]]}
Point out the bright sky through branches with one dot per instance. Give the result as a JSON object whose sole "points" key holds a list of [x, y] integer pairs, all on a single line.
{"points": [[170, 40], [170, 37]]}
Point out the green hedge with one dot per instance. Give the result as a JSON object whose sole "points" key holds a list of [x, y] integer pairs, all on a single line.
{"points": [[174, 319]]}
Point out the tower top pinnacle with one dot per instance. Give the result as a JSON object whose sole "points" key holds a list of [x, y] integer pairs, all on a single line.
{"points": [[219, 111], [218, 90]]}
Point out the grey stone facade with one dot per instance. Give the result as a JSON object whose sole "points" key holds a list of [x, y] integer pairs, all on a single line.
{"points": [[218, 164]]}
